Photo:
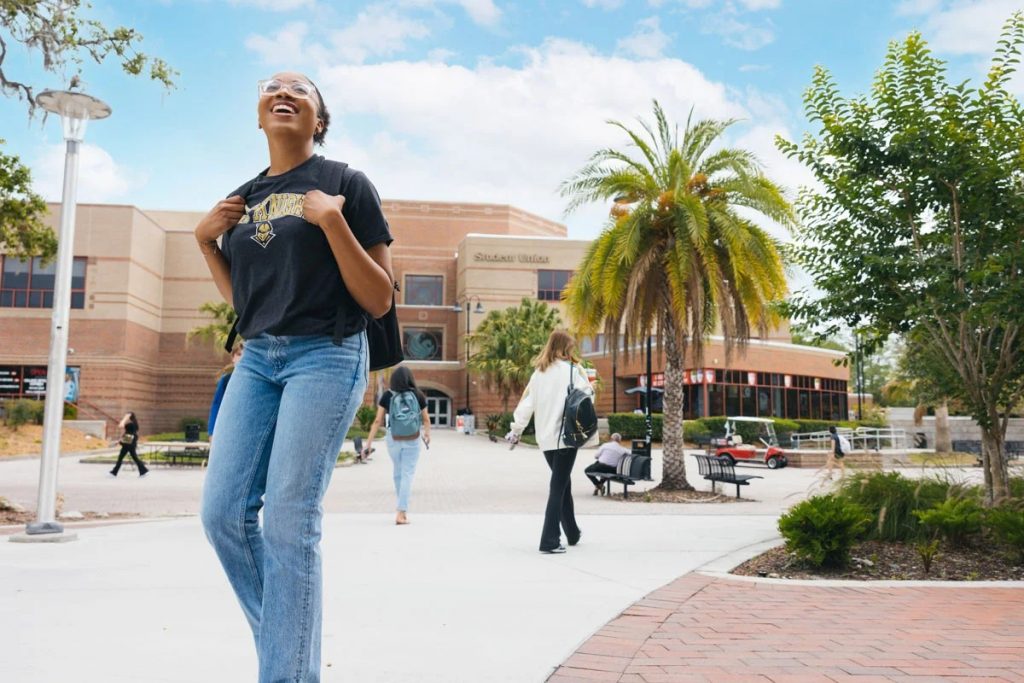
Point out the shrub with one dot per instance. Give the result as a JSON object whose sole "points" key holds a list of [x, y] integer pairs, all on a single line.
{"points": [[365, 416], [633, 426], [891, 499], [928, 551], [1017, 487], [694, 430], [1007, 524], [185, 421], [503, 423], [821, 530], [70, 411], [24, 411], [956, 519]]}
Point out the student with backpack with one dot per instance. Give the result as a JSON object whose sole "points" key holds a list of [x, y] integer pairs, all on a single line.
{"points": [[301, 253], [840, 448], [405, 408], [559, 399]]}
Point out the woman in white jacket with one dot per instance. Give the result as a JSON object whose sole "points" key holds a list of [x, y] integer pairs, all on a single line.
{"points": [[544, 400]]}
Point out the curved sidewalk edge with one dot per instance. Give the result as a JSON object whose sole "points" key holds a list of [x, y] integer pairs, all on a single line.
{"points": [[711, 626]]}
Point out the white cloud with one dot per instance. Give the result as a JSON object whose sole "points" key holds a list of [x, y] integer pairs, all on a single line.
{"points": [[603, 4], [499, 133], [911, 7], [274, 5], [967, 26], [755, 5], [285, 47], [738, 33], [647, 41], [100, 178], [483, 12], [377, 31]]}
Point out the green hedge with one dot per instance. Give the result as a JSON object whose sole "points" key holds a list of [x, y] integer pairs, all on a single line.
{"points": [[634, 425], [24, 411]]}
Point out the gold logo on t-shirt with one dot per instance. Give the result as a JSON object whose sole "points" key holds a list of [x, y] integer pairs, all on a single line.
{"points": [[264, 233]]}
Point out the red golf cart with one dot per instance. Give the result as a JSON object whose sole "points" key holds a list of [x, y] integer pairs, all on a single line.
{"points": [[766, 451]]}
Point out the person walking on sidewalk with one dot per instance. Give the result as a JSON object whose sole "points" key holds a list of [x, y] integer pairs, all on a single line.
{"points": [[840, 447], [303, 258], [607, 461], [129, 440], [544, 400], [405, 409]]}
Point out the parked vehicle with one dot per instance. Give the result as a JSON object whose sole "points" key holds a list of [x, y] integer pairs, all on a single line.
{"points": [[767, 451]]}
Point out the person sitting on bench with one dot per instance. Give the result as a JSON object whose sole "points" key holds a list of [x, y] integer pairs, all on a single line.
{"points": [[607, 461]]}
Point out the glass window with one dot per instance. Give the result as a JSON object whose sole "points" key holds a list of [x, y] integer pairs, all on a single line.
{"points": [[749, 401], [732, 399], [764, 402], [29, 283], [792, 410], [424, 290], [816, 405], [778, 406], [716, 400], [423, 343], [550, 284], [805, 404]]}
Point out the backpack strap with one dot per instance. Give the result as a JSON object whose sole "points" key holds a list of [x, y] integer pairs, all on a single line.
{"points": [[243, 192]]}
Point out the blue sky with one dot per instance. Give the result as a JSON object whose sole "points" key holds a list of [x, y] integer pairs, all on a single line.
{"points": [[470, 100]]}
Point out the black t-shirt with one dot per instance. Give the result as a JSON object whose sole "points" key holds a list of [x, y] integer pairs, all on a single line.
{"points": [[385, 401], [284, 277]]}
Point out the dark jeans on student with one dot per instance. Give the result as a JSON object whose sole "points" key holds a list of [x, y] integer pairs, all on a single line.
{"points": [[129, 450], [559, 508], [598, 468]]}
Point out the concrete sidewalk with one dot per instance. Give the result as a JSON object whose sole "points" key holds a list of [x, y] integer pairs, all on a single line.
{"points": [[449, 598]]}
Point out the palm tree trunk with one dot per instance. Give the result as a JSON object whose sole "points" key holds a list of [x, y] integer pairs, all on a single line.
{"points": [[943, 444], [673, 453]]}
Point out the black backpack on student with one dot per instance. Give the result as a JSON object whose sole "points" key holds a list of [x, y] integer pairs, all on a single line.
{"points": [[382, 334], [579, 418]]}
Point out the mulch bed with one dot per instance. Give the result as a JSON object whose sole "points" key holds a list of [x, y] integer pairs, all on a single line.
{"points": [[11, 517], [661, 496], [878, 560]]}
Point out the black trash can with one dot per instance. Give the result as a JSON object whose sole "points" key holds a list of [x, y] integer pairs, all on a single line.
{"points": [[192, 432], [920, 440]]}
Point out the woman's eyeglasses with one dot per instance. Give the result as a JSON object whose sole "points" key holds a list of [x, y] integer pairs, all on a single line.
{"points": [[273, 86]]}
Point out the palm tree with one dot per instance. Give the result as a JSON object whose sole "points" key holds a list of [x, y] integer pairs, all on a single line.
{"points": [[217, 330], [506, 342], [681, 255]]}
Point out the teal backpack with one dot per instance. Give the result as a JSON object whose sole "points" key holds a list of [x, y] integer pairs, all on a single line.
{"points": [[404, 415]]}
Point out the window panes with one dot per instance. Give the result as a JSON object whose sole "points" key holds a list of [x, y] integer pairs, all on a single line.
{"points": [[423, 343], [29, 283], [550, 284], [424, 290]]}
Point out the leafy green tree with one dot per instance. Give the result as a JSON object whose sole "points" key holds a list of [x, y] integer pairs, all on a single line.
{"points": [[55, 32], [924, 378], [22, 231], [217, 331], [680, 256], [918, 222], [506, 342]]}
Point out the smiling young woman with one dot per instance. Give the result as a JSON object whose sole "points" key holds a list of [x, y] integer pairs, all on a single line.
{"points": [[304, 267]]}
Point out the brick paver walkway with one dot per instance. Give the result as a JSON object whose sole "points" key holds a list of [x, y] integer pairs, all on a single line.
{"points": [[702, 628]]}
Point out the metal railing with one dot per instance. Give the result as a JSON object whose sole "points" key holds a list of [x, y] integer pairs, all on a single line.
{"points": [[862, 438]]}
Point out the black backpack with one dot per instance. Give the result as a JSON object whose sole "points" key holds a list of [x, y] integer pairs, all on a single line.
{"points": [[579, 418], [382, 334]]}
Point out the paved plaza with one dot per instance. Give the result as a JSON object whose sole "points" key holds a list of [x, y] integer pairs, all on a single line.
{"points": [[461, 594]]}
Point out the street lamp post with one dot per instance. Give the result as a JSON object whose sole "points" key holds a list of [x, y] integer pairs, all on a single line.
{"points": [[75, 110], [478, 310]]}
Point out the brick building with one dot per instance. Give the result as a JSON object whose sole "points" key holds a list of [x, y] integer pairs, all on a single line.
{"points": [[139, 280]]}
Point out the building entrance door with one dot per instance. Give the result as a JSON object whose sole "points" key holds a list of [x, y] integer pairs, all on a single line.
{"points": [[439, 407]]}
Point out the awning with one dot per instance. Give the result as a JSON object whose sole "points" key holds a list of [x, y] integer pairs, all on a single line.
{"points": [[643, 390]]}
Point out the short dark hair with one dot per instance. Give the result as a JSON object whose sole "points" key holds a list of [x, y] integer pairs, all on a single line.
{"points": [[322, 112]]}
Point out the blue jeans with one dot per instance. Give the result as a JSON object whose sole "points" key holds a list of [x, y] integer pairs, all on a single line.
{"points": [[404, 456], [281, 425]]}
